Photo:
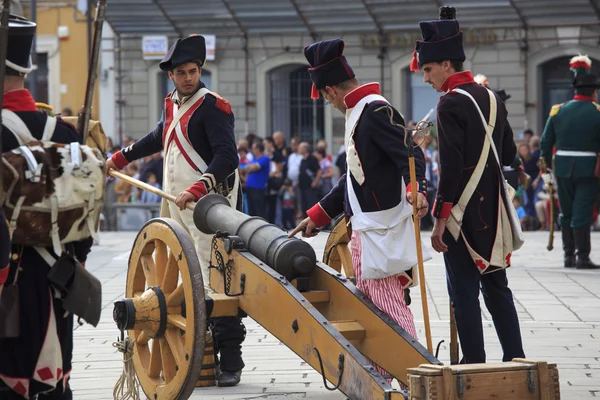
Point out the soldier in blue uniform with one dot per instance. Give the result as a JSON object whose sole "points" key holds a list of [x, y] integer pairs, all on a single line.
{"points": [[573, 127], [196, 134], [474, 253], [370, 194], [38, 361]]}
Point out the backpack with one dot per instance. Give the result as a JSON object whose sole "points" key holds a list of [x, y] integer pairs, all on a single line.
{"points": [[54, 192]]}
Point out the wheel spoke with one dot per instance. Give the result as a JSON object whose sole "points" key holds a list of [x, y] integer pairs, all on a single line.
{"points": [[142, 339], [173, 337], [171, 275], [161, 256], [177, 297], [155, 360], [177, 321], [149, 270], [168, 361]]}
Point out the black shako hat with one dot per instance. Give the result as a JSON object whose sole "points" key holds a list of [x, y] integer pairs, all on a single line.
{"points": [[586, 81], [183, 51], [21, 33], [442, 40], [328, 64]]}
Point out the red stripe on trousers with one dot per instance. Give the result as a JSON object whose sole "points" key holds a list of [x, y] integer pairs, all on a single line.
{"points": [[387, 294]]}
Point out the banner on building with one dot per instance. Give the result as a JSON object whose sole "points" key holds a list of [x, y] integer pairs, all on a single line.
{"points": [[211, 45], [154, 47]]}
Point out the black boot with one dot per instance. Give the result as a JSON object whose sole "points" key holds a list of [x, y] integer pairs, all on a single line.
{"points": [[583, 245], [568, 246], [228, 379]]}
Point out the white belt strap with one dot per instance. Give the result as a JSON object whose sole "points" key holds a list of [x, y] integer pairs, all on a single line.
{"points": [[34, 169], [181, 111], [459, 209], [16, 125], [49, 128], [54, 225], [45, 254], [190, 151], [571, 153], [15, 215], [90, 221]]}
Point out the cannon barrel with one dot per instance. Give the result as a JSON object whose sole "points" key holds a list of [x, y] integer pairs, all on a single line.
{"points": [[291, 257]]}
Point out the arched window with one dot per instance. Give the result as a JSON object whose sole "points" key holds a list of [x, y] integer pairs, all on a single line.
{"points": [[556, 83], [292, 110]]}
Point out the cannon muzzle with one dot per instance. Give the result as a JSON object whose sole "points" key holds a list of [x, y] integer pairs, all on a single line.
{"points": [[291, 257]]}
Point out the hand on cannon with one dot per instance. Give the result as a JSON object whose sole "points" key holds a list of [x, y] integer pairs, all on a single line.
{"points": [[308, 228], [183, 198]]}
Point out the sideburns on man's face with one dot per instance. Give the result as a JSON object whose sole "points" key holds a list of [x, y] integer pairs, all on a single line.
{"points": [[186, 78], [433, 73]]}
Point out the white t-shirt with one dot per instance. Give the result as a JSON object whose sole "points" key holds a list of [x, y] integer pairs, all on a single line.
{"points": [[293, 167]]}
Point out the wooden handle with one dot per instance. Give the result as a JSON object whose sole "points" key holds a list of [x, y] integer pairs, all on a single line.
{"points": [[145, 186], [413, 188], [453, 338]]}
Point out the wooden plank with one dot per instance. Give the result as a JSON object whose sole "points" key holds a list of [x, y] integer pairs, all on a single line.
{"points": [[449, 383], [351, 330], [436, 370], [223, 305], [317, 296]]}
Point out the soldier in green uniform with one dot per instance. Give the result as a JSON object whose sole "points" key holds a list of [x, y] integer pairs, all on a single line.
{"points": [[574, 128]]}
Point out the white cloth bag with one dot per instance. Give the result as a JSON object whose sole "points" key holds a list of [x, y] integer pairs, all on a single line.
{"points": [[387, 237]]}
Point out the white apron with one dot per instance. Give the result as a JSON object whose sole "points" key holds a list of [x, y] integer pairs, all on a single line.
{"points": [[387, 237], [179, 175]]}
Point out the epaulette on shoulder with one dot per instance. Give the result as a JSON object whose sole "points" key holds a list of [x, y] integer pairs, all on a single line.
{"points": [[221, 103], [555, 109]]}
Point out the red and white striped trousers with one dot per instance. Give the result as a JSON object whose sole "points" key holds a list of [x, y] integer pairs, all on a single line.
{"points": [[387, 294]]}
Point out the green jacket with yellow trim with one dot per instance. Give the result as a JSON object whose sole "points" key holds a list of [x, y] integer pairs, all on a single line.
{"points": [[572, 126]]}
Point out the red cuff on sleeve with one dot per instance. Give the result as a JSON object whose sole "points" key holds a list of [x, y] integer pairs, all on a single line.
{"points": [[445, 210], [318, 215], [3, 275], [421, 186], [198, 189], [119, 159]]}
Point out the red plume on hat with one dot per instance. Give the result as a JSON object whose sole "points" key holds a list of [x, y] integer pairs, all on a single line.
{"points": [[580, 65]]}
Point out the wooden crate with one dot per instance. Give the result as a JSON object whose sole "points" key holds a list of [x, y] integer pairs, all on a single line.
{"points": [[520, 379]]}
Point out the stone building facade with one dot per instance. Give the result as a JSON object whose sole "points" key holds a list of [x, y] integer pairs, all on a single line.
{"points": [[269, 88]]}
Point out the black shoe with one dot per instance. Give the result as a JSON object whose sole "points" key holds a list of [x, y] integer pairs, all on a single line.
{"points": [[568, 246], [228, 379], [569, 261], [584, 246]]}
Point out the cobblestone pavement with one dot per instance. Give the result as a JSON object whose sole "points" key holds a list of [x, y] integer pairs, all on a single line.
{"points": [[559, 312]]}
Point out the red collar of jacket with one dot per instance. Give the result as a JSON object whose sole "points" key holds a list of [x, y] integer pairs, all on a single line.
{"points": [[584, 98], [457, 79], [19, 100], [361, 92]]}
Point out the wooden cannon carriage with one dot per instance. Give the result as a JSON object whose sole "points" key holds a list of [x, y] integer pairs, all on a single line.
{"points": [[309, 306]]}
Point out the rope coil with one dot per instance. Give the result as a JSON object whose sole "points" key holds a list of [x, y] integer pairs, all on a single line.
{"points": [[126, 387]]}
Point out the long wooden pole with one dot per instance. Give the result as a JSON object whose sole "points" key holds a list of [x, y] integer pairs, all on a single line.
{"points": [[145, 186], [453, 338], [413, 187]]}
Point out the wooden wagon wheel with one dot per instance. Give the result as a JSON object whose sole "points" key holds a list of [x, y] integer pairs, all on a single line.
{"points": [[165, 310], [337, 254]]}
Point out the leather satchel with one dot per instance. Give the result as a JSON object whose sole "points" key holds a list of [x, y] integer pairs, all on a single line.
{"points": [[81, 291]]}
